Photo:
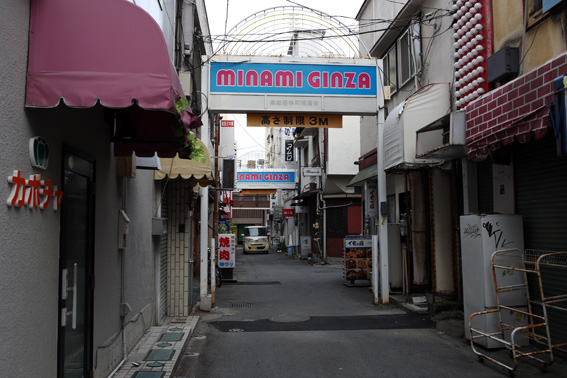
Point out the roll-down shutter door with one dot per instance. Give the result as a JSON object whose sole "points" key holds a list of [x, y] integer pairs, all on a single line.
{"points": [[163, 266], [541, 198]]}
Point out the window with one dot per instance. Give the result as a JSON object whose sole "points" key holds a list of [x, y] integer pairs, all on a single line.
{"points": [[410, 52], [548, 4], [390, 76], [409, 47]]}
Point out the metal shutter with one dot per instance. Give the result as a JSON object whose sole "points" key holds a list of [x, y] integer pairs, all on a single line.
{"points": [[541, 198], [163, 265]]}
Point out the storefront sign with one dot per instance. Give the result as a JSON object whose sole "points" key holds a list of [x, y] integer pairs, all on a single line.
{"points": [[278, 212], [311, 171], [371, 199], [227, 251], [33, 192], [39, 152], [296, 120], [288, 213], [227, 123], [358, 258], [289, 150]]}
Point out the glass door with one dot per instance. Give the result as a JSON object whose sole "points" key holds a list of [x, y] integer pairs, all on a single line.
{"points": [[76, 267]]}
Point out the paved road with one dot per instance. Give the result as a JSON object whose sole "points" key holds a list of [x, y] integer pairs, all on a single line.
{"points": [[284, 318]]}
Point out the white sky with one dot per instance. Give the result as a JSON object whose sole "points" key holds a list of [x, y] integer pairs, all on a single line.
{"points": [[252, 138]]}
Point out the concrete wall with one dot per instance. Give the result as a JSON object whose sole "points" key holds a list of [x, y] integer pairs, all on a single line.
{"points": [[346, 142], [29, 238]]}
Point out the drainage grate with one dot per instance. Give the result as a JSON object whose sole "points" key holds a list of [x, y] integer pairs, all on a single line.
{"points": [[254, 283], [241, 305]]}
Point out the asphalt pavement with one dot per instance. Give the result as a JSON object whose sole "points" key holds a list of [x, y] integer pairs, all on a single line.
{"points": [[282, 317]]}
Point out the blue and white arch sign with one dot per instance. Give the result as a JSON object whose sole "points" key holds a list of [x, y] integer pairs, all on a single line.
{"points": [[312, 79], [293, 84]]}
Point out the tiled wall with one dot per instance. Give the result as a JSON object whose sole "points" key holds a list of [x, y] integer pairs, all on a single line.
{"points": [[179, 274], [514, 110]]}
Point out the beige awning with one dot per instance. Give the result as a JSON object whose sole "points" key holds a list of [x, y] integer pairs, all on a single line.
{"points": [[192, 170]]}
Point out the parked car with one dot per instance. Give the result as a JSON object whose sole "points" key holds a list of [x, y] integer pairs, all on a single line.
{"points": [[256, 239]]}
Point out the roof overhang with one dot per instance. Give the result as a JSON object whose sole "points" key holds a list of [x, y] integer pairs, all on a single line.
{"points": [[194, 171], [366, 174]]}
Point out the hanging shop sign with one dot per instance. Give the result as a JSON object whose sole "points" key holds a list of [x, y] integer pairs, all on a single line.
{"points": [[278, 212], [311, 171], [34, 192], [288, 213], [282, 179], [227, 251], [296, 120], [289, 150], [358, 258], [293, 84], [371, 199]]}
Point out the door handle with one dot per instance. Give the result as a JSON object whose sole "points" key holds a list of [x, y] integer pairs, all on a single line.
{"points": [[64, 294]]}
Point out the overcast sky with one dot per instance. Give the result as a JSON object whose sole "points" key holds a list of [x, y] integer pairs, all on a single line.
{"points": [[252, 138]]}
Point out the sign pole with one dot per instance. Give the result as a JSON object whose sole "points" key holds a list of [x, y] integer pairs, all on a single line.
{"points": [[382, 199]]}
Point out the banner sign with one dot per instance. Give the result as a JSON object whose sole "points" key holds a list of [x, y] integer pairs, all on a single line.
{"points": [[296, 120], [227, 250], [313, 79]]}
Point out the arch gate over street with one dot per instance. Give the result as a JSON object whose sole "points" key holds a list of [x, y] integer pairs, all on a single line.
{"points": [[246, 84], [290, 61]]}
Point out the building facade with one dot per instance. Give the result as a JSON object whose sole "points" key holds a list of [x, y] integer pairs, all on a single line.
{"points": [[81, 269]]}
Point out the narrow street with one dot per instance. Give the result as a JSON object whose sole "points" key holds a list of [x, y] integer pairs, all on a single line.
{"points": [[285, 318]]}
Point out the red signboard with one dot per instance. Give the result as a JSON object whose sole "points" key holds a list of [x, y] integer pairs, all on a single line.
{"points": [[288, 213], [227, 123]]}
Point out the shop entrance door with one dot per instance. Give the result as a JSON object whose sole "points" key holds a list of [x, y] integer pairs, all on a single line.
{"points": [[76, 267]]}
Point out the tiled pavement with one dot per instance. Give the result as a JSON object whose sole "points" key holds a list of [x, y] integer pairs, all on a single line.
{"points": [[159, 351]]}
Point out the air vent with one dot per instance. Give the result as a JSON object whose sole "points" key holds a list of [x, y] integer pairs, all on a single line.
{"points": [[503, 65]]}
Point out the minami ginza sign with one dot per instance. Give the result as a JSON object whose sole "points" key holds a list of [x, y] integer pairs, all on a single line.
{"points": [[260, 84]]}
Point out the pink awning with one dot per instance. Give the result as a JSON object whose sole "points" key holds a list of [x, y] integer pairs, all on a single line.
{"points": [[84, 52]]}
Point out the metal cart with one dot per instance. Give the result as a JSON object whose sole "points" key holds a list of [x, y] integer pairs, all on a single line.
{"points": [[532, 339]]}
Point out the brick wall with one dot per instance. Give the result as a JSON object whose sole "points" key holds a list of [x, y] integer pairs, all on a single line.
{"points": [[513, 112]]}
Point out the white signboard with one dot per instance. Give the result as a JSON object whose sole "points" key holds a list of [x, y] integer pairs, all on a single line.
{"points": [[312, 171], [227, 251]]}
